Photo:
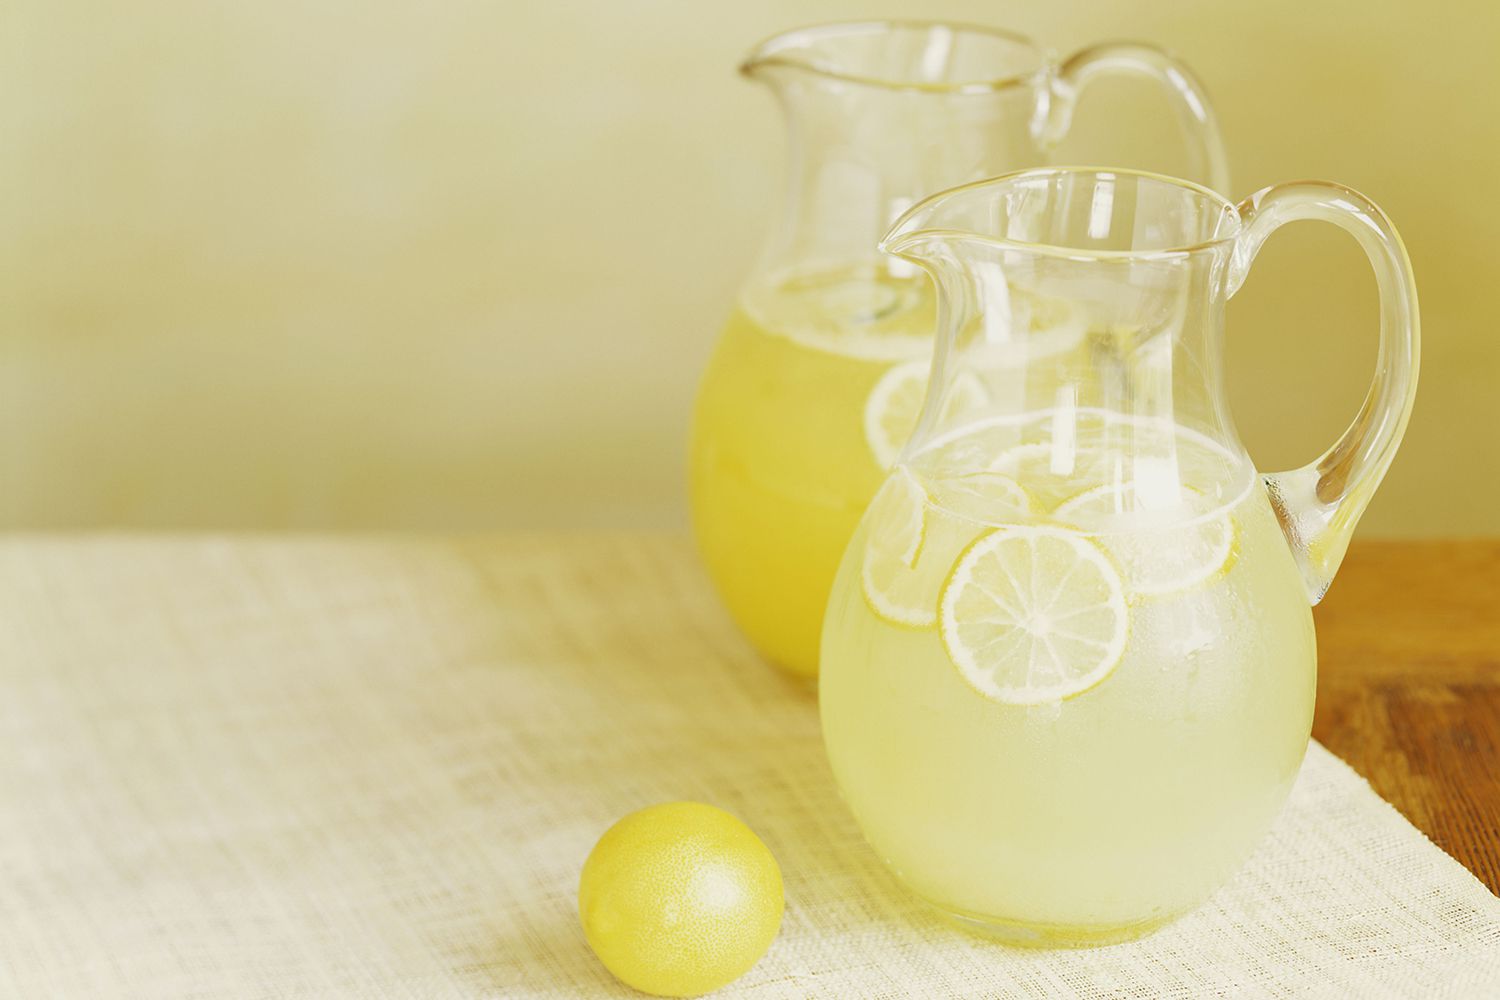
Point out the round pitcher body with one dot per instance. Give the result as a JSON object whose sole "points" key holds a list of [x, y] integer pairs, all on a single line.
{"points": [[1058, 723], [1068, 665]]}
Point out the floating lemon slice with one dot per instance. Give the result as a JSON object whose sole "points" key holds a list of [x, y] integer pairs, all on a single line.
{"points": [[1066, 454], [909, 548], [1033, 615], [1160, 551], [892, 409], [1001, 495], [1038, 327], [895, 527], [895, 404], [1053, 473], [898, 517], [1156, 452], [1040, 458]]}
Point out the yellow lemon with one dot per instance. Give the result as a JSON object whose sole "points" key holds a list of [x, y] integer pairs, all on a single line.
{"points": [[680, 899]]}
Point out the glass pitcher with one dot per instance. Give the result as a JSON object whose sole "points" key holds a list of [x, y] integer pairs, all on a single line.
{"points": [[1068, 662], [819, 374]]}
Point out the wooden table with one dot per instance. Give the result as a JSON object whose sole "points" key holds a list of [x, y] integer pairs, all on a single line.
{"points": [[1409, 686]]}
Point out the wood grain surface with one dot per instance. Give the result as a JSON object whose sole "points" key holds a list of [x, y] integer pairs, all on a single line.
{"points": [[1409, 686]]}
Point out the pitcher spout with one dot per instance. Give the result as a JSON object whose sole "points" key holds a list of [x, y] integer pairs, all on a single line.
{"points": [[764, 63], [784, 55], [926, 56], [925, 232], [793, 54]]}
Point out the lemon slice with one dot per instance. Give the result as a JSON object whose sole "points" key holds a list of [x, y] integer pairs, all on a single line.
{"points": [[1160, 551], [1036, 328], [1033, 615], [1052, 472], [968, 448], [892, 409], [909, 548], [897, 516], [1000, 494], [1064, 456], [895, 404], [1042, 458], [1154, 450]]}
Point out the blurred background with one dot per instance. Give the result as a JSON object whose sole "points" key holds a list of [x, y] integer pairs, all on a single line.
{"points": [[458, 265]]}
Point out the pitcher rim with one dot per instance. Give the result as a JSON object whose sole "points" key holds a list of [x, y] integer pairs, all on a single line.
{"points": [[759, 57], [894, 241]]}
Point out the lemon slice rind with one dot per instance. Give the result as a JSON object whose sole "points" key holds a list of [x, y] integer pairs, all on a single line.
{"points": [[1194, 551], [894, 406], [896, 530], [1008, 647]]}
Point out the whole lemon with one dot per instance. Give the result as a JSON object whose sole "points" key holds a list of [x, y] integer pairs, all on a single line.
{"points": [[680, 899]]}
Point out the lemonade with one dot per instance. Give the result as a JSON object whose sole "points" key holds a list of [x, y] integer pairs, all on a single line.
{"points": [[815, 387], [1067, 673], [812, 391]]}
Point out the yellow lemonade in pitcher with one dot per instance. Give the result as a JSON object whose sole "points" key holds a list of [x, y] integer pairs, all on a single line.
{"points": [[1066, 691], [812, 391]]}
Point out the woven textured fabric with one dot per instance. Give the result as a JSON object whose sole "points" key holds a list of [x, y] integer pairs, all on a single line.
{"points": [[270, 768]]}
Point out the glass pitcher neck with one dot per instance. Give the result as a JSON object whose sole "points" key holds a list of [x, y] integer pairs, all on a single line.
{"points": [[1065, 292], [881, 114], [927, 56]]}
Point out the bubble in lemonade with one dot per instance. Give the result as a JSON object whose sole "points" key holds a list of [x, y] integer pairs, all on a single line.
{"points": [[1065, 692], [812, 392]]}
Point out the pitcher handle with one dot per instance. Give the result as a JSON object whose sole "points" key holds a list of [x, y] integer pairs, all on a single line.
{"points": [[1319, 504], [1200, 125]]}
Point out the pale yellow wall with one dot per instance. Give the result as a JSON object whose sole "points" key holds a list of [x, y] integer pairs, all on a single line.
{"points": [[458, 264]]}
